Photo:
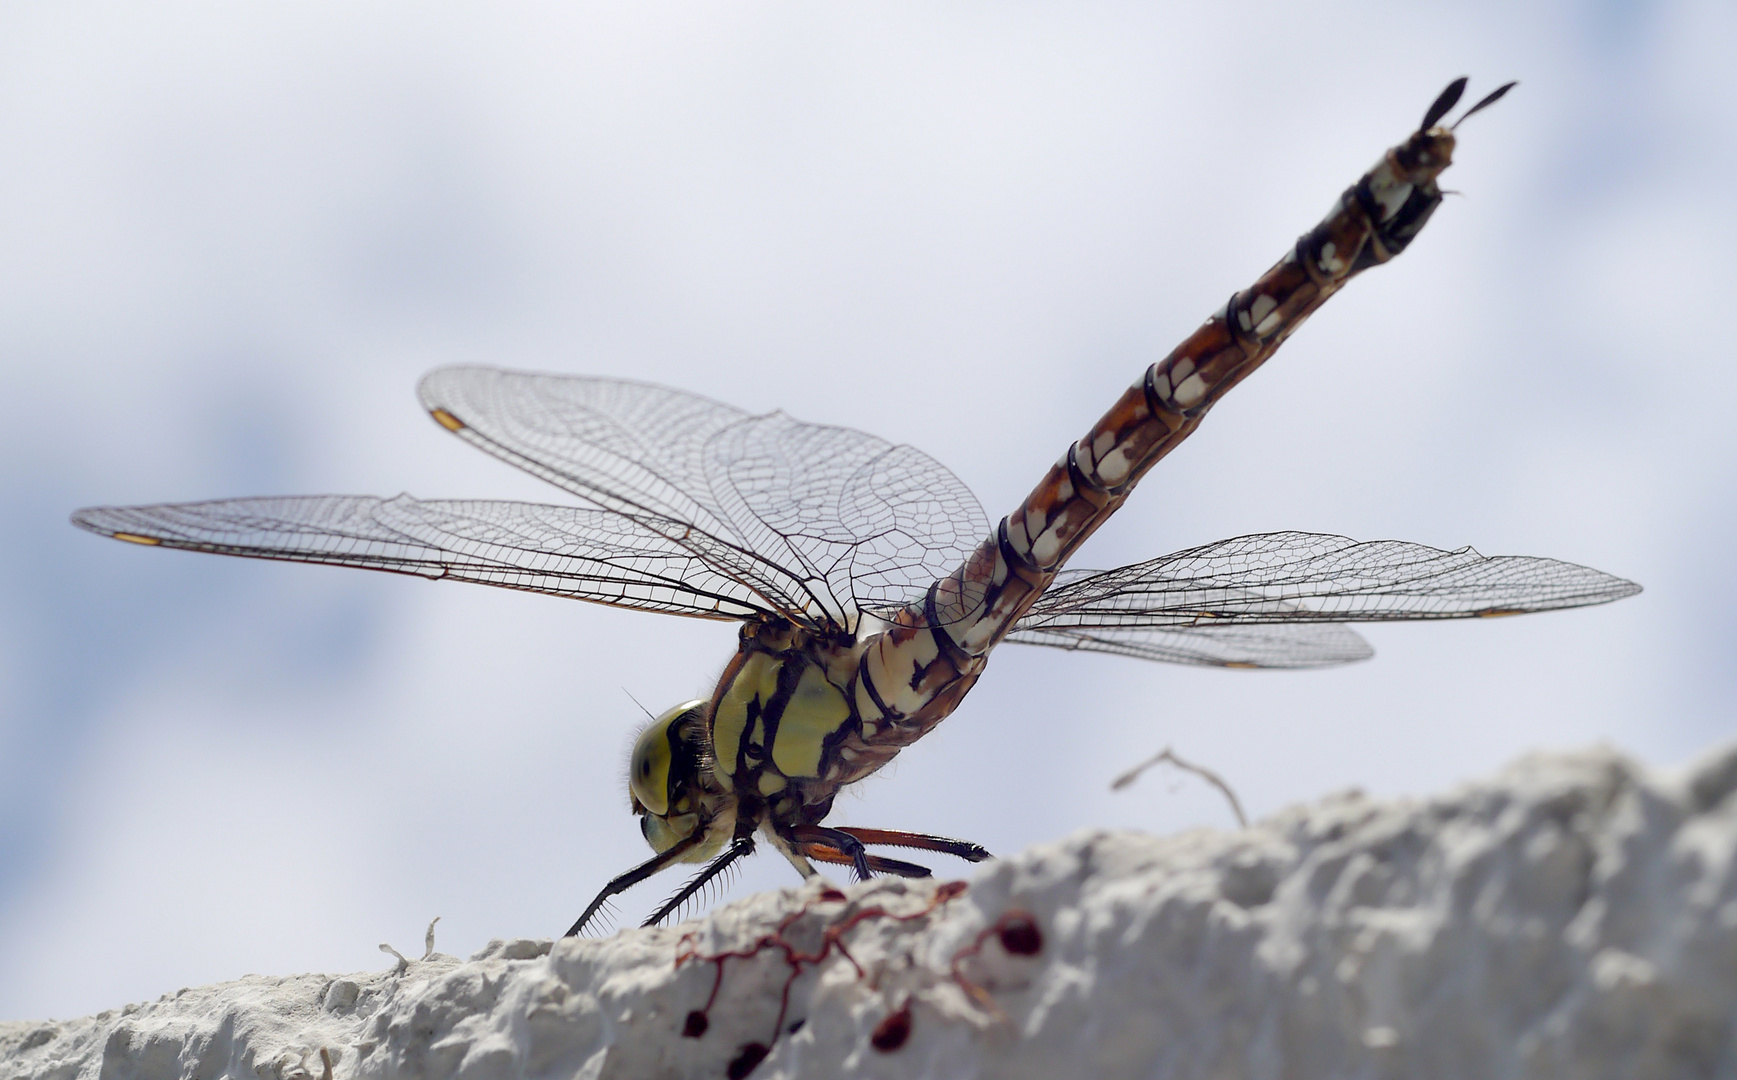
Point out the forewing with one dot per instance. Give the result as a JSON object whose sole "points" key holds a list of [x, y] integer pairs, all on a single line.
{"points": [[817, 522], [1294, 577], [1302, 645], [567, 551]]}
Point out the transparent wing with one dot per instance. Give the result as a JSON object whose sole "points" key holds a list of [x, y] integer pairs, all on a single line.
{"points": [[816, 522], [566, 551], [1303, 645], [1299, 578]]}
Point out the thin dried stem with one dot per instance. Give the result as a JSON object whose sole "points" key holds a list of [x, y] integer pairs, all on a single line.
{"points": [[1168, 756]]}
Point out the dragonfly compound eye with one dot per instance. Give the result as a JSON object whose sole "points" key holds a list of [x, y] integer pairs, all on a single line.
{"points": [[655, 751]]}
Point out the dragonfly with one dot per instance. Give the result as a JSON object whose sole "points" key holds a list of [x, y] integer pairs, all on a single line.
{"points": [[868, 585]]}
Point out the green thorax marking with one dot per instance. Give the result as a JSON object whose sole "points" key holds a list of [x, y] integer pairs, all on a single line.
{"points": [[776, 711]]}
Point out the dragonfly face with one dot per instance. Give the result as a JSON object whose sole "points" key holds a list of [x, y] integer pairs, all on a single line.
{"points": [[673, 788], [868, 583]]}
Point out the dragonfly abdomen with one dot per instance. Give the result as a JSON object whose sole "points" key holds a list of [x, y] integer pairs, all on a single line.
{"points": [[921, 666]]}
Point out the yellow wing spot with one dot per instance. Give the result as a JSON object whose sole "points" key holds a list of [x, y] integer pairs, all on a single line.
{"points": [[446, 419], [1498, 612], [1244, 664], [135, 538]]}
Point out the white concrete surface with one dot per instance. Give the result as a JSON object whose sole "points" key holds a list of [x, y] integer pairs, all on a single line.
{"points": [[1574, 916]]}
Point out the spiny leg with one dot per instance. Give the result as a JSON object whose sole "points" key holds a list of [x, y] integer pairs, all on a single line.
{"points": [[790, 849], [839, 840], [743, 845], [633, 877], [879, 864], [961, 849]]}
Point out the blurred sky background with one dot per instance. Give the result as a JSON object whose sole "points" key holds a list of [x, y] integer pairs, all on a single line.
{"points": [[232, 236]]}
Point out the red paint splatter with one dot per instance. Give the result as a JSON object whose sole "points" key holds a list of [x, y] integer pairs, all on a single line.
{"points": [[888, 1036], [749, 1056], [891, 1032], [1019, 935]]}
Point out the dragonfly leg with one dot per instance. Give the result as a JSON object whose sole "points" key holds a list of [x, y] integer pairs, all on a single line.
{"points": [[792, 850], [743, 845], [877, 863], [839, 840], [961, 849], [633, 877]]}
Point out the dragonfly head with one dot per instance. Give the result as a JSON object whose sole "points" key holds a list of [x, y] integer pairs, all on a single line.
{"points": [[674, 792]]}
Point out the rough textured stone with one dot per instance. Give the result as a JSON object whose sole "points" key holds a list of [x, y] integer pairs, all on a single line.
{"points": [[1575, 916]]}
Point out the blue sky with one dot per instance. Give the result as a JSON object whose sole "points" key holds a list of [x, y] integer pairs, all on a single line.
{"points": [[232, 237]]}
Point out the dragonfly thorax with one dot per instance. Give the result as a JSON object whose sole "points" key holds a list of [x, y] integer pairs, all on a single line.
{"points": [[779, 715], [793, 719], [772, 746]]}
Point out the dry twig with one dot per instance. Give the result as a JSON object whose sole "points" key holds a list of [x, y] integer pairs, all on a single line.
{"points": [[1168, 756]]}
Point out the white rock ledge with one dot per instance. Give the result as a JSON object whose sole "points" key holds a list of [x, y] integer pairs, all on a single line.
{"points": [[1574, 917]]}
